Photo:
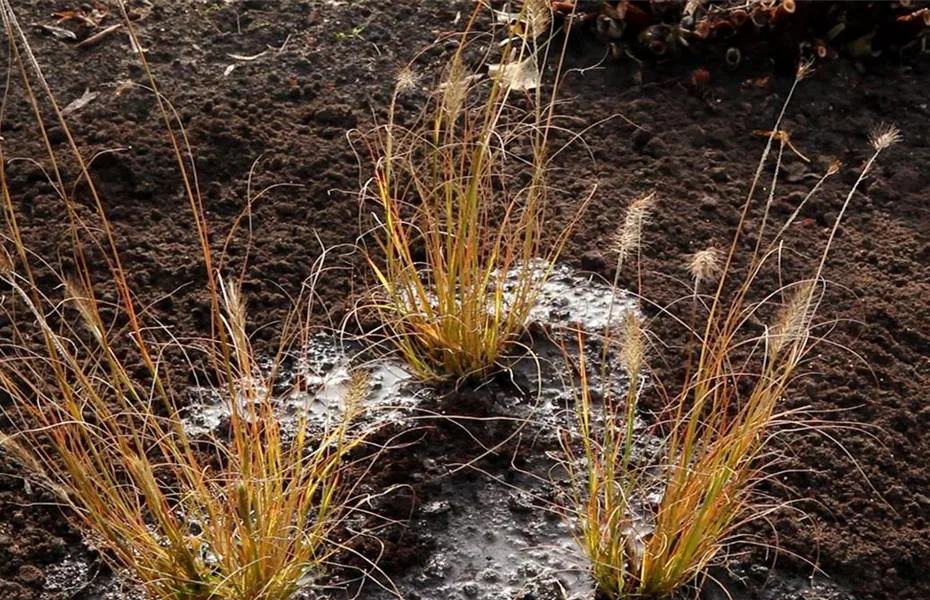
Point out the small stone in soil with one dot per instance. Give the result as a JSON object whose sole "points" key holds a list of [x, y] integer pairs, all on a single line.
{"points": [[436, 508]]}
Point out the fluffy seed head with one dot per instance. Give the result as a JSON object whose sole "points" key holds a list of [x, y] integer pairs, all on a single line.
{"points": [[16, 449], [235, 305], [406, 80], [538, 16], [705, 265], [883, 136], [629, 236], [359, 386], [805, 68], [632, 352], [454, 88], [793, 320], [81, 298]]}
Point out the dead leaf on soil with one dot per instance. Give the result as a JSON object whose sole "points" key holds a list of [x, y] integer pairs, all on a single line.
{"points": [[520, 76], [122, 86], [247, 58], [74, 15], [64, 15], [98, 37], [505, 16], [758, 82], [86, 98], [59, 32]]}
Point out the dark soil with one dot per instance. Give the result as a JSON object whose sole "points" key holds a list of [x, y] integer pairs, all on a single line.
{"points": [[866, 501]]}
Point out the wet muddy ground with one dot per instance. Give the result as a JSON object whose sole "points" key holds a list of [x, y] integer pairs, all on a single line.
{"points": [[486, 531]]}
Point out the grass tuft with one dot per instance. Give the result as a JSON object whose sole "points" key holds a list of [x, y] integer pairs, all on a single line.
{"points": [[653, 524], [253, 514], [250, 518], [462, 245]]}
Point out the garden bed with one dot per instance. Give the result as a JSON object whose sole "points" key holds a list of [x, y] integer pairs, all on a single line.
{"points": [[328, 67]]}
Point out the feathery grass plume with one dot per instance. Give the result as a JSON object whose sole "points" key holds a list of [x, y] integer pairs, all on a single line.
{"points": [[531, 22], [792, 322], [704, 266], [628, 238], [884, 136], [537, 15], [81, 299], [454, 88], [716, 447], [805, 69], [461, 247], [632, 344], [252, 517], [406, 80]]}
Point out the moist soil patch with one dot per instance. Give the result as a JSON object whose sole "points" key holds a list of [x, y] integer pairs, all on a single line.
{"points": [[327, 68]]}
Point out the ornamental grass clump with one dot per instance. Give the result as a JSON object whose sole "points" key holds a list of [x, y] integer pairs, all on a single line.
{"points": [[253, 513], [653, 523], [462, 244]]}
